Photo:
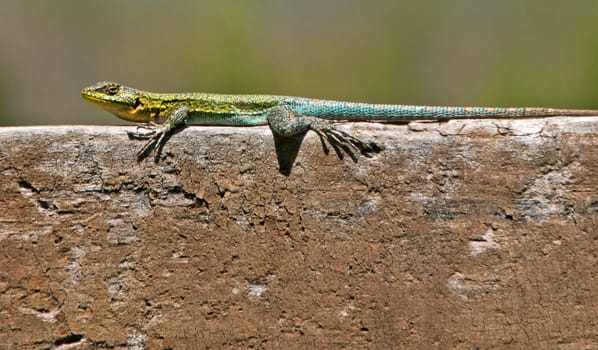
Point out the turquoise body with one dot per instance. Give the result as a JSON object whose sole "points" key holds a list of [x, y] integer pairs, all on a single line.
{"points": [[386, 112], [349, 111]]}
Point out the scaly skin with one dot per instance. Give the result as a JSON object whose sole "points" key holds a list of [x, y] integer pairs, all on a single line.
{"points": [[286, 115]]}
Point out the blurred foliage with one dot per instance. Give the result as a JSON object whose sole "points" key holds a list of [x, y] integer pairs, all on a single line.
{"points": [[460, 52]]}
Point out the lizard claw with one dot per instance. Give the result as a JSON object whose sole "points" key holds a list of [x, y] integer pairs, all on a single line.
{"points": [[339, 139]]}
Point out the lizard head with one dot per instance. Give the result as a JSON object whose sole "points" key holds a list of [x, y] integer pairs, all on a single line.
{"points": [[124, 102]]}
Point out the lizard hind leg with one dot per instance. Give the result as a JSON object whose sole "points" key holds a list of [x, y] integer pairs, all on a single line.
{"points": [[286, 123]]}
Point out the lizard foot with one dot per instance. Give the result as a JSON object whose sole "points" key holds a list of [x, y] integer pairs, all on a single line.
{"points": [[342, 141], [157, 138]]}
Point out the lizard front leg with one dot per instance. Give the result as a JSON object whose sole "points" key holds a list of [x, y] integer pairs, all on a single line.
{"points": [[158, 133]]}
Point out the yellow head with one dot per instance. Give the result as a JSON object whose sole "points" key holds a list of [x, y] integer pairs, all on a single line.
{"points": [[124, 102]]}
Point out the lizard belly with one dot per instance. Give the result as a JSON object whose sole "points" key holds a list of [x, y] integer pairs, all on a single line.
{"points": [[231, 119]]}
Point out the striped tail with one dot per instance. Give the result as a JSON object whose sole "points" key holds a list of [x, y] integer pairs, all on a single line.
{"points": [[366, 112]]}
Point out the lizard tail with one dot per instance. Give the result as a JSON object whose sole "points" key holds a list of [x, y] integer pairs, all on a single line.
{"points": [[403, 113], [553, 112]]}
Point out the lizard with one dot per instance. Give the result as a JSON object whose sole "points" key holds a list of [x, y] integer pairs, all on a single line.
{"points": [[287, 116]]}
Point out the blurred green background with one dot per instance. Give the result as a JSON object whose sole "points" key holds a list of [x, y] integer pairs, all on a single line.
{"points": [[459, 52]]}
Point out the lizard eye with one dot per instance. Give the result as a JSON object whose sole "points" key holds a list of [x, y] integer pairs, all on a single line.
{"points": [[112, 90]]}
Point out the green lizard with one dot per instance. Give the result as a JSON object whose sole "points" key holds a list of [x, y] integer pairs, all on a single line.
{"points": [[286, 115]]}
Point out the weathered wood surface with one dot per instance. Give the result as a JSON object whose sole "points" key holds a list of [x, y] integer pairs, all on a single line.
{"points": [[464, 235]]}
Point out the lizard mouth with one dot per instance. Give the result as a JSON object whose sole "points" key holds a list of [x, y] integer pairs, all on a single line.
{"points": [[93, 99]]}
